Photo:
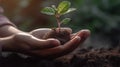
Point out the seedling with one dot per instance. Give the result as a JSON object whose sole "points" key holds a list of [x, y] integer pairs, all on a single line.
{"points": [[62, 9]]}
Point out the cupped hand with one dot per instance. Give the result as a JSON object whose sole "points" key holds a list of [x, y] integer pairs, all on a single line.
{"points": [[76, 39], [23, 42]]}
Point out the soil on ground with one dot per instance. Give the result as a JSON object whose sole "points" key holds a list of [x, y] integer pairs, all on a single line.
{"points": [[85, 57]]}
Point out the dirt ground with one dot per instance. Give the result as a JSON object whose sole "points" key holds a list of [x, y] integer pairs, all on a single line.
{"points": [[85, 57]]}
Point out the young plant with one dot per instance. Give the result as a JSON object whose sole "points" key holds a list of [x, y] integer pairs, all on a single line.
{"points": [[62, 9]]}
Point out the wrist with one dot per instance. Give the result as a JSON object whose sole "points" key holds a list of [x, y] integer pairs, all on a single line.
{"points": [[9, 30], [6, 43]]}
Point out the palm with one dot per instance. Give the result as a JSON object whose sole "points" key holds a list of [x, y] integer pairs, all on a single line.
{"points": [[40, 33], [62, 49]]}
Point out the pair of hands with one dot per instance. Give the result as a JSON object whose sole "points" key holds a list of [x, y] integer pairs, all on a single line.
{"points": [[33, 44]]}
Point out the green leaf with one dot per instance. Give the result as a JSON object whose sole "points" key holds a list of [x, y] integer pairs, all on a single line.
{"points": [[70, 10], [63, 7], [48, 11], [66, 20]]}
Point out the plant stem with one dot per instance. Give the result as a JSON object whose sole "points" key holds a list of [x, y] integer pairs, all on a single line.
{"points": [[58, 22]]}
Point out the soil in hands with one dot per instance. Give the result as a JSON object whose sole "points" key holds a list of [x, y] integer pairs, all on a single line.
{"points": [[62, 35]]}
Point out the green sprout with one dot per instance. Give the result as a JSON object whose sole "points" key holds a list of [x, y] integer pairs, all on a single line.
{"points": [[62, 9]]}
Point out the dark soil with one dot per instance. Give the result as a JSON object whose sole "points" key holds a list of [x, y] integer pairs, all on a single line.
{"points": [[63, 35], [85, 57]]}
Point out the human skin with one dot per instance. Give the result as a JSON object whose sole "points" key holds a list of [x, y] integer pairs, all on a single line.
{"points": [[76, 40], [18, 41], [15, 40], [24, 40]]}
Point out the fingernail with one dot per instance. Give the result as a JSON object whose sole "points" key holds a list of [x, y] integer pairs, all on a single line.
{"points": [[86, 33], [77, 37]]}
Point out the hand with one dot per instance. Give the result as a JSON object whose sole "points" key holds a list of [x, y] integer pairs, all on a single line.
{"points": [[60, 50], [23, 42], [50, 48]]}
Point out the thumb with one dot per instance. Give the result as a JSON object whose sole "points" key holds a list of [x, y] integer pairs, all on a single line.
{"points": [[35, 43], [51, 42]]}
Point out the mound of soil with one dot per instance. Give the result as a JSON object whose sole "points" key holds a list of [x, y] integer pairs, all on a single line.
{"points": [[85, 57], [63, 35]]}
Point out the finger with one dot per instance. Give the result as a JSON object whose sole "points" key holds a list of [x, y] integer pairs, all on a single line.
{"points": [[68, 47], [72, 44], [83, 34], [35, 43], [43, 44], [59, 50]]}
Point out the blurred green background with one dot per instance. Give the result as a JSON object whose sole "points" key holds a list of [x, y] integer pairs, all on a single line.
{"points": [[102, 17]]}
